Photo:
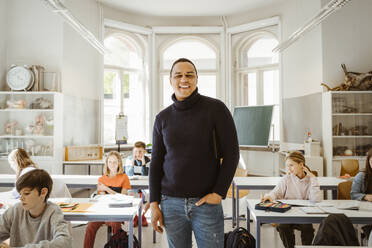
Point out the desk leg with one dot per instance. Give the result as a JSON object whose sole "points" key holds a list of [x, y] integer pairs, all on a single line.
{"points": [[334, 194], [237, 218], [153, 236], [109, 230], [140, 225], [258, 234], [248, 220], [233, 205], [130, 240]]}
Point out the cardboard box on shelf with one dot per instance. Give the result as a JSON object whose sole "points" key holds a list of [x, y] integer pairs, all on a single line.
{"points": [[79, 153]]}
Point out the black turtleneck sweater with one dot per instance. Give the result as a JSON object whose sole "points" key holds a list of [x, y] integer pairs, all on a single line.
{"points": [[189, 138]]}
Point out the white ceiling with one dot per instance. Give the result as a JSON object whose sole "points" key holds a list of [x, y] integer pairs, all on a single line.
{"points": [[187, 7]]}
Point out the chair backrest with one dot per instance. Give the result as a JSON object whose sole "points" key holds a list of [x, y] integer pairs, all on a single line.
{"points": [[315, 173], [349, 166], [344, 189], [239, 173], [60, 189]]}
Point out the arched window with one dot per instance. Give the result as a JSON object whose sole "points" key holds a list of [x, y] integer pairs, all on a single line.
{"points": [[204, 58], [123, 87], [258, 75]]}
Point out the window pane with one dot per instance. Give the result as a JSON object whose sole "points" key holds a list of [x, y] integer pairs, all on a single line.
{"points": [[271, 87], [111, 105], [109, 84], [252, 89], [276, 122], [199, 53], [206, 87], [167, 92], [260, 53], [121, 52], [133, 106]]}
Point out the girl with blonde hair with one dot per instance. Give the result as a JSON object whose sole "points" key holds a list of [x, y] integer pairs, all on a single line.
{"points": [[113, 181], [300, 184], [21, 163]]}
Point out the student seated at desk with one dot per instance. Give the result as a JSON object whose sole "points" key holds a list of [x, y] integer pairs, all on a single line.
{"points": [[137, 160], [113, 181], [361, 189], [299, 184], [35, 222], [21, 163]]}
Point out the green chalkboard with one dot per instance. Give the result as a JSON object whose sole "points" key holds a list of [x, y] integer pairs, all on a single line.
{"points": [[253, 124]]}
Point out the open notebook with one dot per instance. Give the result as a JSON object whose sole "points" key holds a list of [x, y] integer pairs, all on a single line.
{"points": [[327, 208]]}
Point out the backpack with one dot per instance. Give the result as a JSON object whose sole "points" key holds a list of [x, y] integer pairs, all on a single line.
{"points": [[336, 229], [239, 238], [121, 240]]}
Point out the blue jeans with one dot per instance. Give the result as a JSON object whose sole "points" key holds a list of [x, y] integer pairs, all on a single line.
{"points": [[182, 216]]}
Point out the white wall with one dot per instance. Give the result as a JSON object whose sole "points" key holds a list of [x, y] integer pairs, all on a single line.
{"points": [[82, 65], [36, 35], [143, 20], [347, 38], [33, 35], [3, 28]]}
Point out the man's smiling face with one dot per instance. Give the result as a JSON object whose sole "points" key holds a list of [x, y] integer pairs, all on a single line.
{"points": [[183, 80]]}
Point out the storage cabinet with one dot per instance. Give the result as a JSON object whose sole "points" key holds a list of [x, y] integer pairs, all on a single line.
{"points": [[347, 127], [33, 121]]}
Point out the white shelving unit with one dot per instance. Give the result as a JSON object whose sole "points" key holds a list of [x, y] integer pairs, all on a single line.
{"points": [[347, 125], [46, 148]]}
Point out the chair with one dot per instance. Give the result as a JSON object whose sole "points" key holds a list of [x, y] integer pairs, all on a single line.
{"points": [[349, 166], [60, 189], [315, 173], [343, 191]]}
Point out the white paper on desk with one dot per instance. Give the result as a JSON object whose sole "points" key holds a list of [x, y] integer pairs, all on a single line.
{"points": [[114, 198], [312, 210], [365, 206], [304, 203], [349, 205], [57, 200], [331, 210], [321, 210], [133, 177]]}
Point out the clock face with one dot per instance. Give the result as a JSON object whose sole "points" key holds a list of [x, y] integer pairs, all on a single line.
{"points": [[19, 78]]}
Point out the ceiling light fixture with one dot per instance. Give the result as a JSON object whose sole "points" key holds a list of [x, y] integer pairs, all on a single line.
{"points": [[57, 7], [327, 10]]}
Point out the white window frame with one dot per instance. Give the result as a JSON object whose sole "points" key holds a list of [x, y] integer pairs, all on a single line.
{"points": [[119, 26], [237, 71]]}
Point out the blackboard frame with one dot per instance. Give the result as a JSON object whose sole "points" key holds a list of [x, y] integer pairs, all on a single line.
{"points": [[255, 120]]}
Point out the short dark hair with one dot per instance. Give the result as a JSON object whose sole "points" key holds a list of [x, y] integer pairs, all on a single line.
{"points": [[35, 179], [180, 60], [140, 144]]}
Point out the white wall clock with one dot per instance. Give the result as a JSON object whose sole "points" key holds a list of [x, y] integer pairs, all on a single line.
{"points": [[20, 78]]}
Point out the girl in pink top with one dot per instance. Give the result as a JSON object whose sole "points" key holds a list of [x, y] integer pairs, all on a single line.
{"points": [[300, 184]]}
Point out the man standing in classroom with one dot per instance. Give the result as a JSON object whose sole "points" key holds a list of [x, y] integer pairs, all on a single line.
{"points": [[187, 178]]}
